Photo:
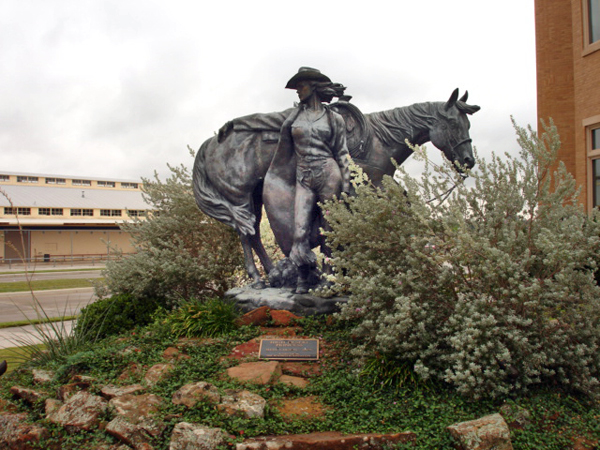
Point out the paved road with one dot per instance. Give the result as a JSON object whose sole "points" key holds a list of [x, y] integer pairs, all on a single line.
{"points": [[85, 275], [55, 303]]}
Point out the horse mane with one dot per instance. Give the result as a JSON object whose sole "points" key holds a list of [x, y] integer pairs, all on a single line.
{"points": [[393, 126]]}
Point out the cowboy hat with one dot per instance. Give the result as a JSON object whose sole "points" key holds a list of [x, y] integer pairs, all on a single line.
{"points": [[306, 74]]}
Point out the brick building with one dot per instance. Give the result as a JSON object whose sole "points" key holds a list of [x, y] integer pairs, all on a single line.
{"points": [[51, 218], [568, 85]]}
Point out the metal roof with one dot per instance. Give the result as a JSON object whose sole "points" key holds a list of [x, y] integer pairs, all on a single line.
{"points": [[69, 177], [60, 197]]}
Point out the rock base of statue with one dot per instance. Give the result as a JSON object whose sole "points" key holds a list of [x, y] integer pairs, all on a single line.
{"points": [[248, 299]]}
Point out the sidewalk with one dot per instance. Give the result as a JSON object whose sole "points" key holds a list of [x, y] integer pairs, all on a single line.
{"points": [[53, 267], [13, 337]]}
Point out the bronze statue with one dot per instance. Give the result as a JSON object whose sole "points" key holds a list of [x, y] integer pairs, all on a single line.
{"points": [[311, 165], [230, 169]]}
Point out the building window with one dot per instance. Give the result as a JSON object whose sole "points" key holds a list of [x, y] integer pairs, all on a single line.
{"points": [[56, 181], [593, 135], [50, 211], [136, 212], [10, 210], [4, 178], [82, 212], [129, 185], [24, 179], [593, 13], [110, 212], [23, 211], [81, 183], [110, 184]]}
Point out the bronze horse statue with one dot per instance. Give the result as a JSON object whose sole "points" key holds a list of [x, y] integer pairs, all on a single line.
{"points": [[230, 168]]}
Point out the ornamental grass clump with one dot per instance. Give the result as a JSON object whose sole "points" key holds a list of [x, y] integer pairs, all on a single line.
{"points": [[492, 290]]}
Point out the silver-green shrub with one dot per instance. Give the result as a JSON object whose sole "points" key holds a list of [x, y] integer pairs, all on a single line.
{"points": [[180, 252], [491, 290]]}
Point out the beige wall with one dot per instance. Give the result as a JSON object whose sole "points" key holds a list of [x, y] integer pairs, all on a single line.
{"points": [[73, 242]]}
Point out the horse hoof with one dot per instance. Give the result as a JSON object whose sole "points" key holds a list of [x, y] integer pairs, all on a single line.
{"points": [[258, 285]]}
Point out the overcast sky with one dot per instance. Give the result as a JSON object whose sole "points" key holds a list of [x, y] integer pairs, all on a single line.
{"points": [[121, 88]]}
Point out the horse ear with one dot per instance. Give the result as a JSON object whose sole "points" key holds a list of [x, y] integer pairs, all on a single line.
{"points": [[452, 100], [464, 97]]}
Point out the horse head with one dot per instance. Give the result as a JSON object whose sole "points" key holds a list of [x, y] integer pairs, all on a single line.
{"points": [[449, 131]]}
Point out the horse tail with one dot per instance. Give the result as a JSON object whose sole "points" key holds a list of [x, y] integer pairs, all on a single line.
{"points": [[213, 203]]}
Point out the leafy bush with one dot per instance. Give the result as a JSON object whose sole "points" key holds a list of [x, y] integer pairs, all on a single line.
{"points": [[180, 252], [197, 318], [115, 315], [493, 290]]}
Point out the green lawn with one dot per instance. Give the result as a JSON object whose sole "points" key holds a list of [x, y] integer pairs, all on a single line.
{"points": [[15, 356], [43, 285], [22, 323]]}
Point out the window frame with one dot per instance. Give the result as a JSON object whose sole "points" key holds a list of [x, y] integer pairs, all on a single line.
{"points": [[593, 154], [588, 46]]}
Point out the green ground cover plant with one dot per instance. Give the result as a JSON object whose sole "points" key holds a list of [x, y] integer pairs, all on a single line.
{"points": [[492, 291], [556, 417], [44, 285]]}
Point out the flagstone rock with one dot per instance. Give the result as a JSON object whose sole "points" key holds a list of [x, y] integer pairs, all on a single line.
{"points": [[111, 391], [189, 436], [327, 441], [190, 394], [158, 373], [42, 376], [301, 369], [293, 381], [258, 316], [29, 395], [256, 372], [244, 402], [278, 332], [17, 434], [282, 318], [245, 350], [487, 433], [300, 408], [81, 412]]}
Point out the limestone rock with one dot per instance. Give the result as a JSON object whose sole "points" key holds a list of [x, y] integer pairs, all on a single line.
{"points": [[82, 411], [42, 376], [190, 394], [256, 372], [111, 391], [136, 407], [242, 402], [51, 405], [293, 381], [29, 395], [326, 441], [131, 434], [515, 416], [66, 391], [189, 436], [6, 406], [157, 373], [17, 434], [488, 433]]}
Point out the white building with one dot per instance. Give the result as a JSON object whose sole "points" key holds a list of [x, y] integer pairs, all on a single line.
{"points": [[53, 218]]}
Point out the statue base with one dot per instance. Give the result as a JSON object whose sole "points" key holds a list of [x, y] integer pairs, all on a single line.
{"points": [[248, 299]]}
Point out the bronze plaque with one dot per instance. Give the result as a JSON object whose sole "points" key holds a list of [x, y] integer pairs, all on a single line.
{"points": [[289, 349]]}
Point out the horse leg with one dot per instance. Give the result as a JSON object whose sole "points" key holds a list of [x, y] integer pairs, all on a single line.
{"points": [[257, 282], [256, 240]]}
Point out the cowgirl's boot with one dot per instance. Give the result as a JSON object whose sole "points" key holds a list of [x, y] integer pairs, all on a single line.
{"points": [[302, 284]]}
